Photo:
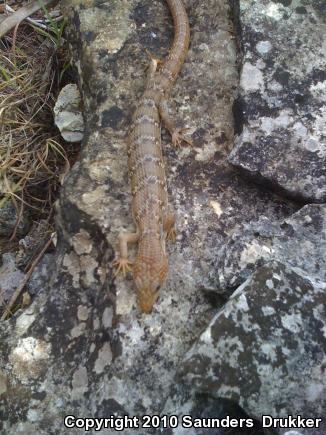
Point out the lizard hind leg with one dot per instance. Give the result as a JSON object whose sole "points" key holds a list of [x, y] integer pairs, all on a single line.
{"points": [[169, 227], [151, 68], [157, 61], [177, 134], [122, 264]]}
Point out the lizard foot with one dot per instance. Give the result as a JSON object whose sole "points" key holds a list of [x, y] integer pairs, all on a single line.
{"points": [[123, 266], [178, 137], [171, 235]]}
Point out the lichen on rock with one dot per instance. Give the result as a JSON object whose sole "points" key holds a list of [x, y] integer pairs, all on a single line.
{"points": [[280, 112]]}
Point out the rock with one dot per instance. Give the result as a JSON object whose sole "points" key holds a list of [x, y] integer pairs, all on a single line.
{"points": [[190, 407], [280, 113], [321, 430], [68, 116], [288, 240], [265, 349], [8, 221], [103, 357], [10, 277], [32, 244], [41, 274]]}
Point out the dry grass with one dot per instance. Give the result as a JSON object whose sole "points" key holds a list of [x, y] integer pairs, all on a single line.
{"points": [[33, 156]]}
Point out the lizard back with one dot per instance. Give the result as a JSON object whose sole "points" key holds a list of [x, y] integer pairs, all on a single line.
{"points": [[147, 169]]}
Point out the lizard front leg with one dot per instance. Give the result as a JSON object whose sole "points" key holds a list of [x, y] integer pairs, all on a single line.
{"points": [[176, 133], [169, 227], [122, 264]]}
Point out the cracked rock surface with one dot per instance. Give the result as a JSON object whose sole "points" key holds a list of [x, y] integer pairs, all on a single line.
{"points": [[265, 348], [299, 241], [281, 107]]}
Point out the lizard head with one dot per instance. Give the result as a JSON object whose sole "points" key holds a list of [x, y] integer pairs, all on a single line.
{"points": [[149, 276]]}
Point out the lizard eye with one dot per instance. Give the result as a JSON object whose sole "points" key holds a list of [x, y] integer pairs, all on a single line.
{"points": [[158, 287]]}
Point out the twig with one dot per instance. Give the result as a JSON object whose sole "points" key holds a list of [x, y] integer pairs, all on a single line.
{"points": [[37, 22], [19, 215], [20, 288], [17, 17]]}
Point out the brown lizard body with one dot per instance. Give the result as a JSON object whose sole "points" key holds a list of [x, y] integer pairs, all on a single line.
{"points": [[147, 171]]}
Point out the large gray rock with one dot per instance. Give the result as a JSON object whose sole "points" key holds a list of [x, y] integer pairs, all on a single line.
{"points": [[265, 349], [299, 240], [82, 347], [280, 111]]}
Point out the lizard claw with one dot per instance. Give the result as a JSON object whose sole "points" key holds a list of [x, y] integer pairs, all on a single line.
{"points": [[178, 137], [123, 266]]}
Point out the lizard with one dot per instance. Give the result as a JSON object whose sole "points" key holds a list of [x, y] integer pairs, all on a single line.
{"points": [[154, 223]]}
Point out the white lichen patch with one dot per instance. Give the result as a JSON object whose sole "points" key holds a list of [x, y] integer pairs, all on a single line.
{"points": [[206, 336], [252, 79], [79, 382], [107, 318], [101, 168], [96, 323], [34, 415], [82, 313], [126, 298], [104, 358], [230, 348], [292, 322], [92, 201], [29, 358], [78, 330], [216, 206], [275, 11], [135, 334], [88, 266], [71, 263], [268, 124], [318, 90], [323, 330], [263, 47], [82, 242], [253, 251], [206, 152], [24, 321], [311, 145], [315, 392], [269, 350], [274, 86], [299, 129], [269, 284], [277, 276], [242, 303], [268, 311]]}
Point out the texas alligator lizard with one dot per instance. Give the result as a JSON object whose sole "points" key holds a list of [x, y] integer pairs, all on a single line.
{"points": [[147, 173]]}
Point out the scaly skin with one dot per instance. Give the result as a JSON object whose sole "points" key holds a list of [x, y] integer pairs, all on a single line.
{"points": [[147, 171]]}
